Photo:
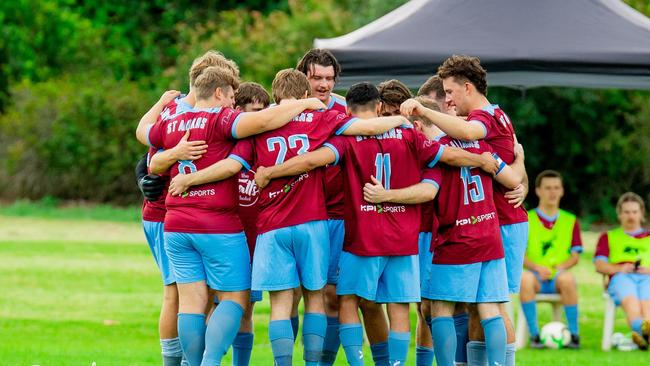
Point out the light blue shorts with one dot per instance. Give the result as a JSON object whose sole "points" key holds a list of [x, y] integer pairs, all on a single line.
{"points": [[548, 286], [424, 245], [515, 241], [256, 296], [292, 256], [480, 282], [623, 285], [155, 234], [222, 260], [383, 279], [337, 232]]}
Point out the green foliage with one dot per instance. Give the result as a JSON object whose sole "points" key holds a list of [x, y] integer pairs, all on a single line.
{"points": [[72, 138]]}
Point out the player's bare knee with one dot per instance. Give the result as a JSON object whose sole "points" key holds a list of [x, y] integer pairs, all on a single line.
{"points": [[488, 310], [425, 309], [442, 308]]}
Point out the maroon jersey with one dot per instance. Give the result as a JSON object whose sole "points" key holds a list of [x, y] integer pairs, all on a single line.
{"points": [[248, 209], [396, 159], [500, 136], [333, 175], [468, 227], [212, 207], [295, 200], [155, 211]]}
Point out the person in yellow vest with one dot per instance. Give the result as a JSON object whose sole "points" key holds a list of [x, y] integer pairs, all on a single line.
{"points": [[554, 246], [624, 255]]}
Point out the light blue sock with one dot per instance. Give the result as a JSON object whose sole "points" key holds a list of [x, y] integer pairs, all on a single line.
{"points": [[511, 350], [398, 347], [461, 323], [380, 353], [242, 348], [423, 356], [313, 336], [281, 339], [444, 340], [332, 342], [476, 353], [191, 333], [530, 312], [184, 362], [571, 312], [636, 325], [172, 352], [295, 323], [221, 331], [352, 341], [495, 340]]}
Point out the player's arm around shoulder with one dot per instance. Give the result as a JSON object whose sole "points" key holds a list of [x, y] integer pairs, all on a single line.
{"points": [[374, 126], [184, 150], [296, 165], [253, 123], [222, 169], [149, 118], [421, 192], [453, 126]]}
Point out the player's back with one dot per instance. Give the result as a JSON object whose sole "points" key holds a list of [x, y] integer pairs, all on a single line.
{"points": [[468, 227], [295, 200], [394, 159], [209, 207]]}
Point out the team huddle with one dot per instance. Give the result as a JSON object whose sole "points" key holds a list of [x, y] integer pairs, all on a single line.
{"points": [[363, 204]]}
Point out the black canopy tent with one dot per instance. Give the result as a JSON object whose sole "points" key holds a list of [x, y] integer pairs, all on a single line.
{"points": [[522, 43]]}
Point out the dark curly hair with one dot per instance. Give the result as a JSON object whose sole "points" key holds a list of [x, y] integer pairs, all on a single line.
{"points": [[465, 68], [394, 92], [318, 56]]}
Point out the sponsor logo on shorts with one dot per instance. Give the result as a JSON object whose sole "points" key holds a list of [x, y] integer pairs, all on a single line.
{"points": [[473, 220]]}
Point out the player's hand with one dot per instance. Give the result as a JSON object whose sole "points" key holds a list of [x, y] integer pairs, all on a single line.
{"points": [[643, 270], [544, 273], [262, 177], [180, 184], [411, 107], [189, 150], [168, 96], [626, 267], [375, 192], [313, 103], [151, 186], [517, 196], [490, 164]]}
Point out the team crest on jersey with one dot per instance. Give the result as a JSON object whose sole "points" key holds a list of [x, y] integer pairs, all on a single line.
{"points": [[248, 191]]}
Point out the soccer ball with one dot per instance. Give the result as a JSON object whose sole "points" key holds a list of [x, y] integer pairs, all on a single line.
{"points": [[555, 335]]}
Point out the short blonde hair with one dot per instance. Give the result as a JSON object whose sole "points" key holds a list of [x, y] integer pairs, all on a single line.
{"points": [[631, 197], [426, 103], [213, 78], [290, 83], [212, 58]]}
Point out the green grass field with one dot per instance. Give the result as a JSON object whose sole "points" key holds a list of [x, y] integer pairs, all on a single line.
{"points": [[79, 291]]}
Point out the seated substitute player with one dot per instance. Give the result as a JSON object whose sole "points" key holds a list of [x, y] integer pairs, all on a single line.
{"points": [[468, 264], [554, 247], [465, 84], [203, 234], [381, 240], [623, 254], [322, 70], [292, 246]]}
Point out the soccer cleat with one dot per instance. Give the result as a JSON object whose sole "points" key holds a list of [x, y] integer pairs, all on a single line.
{"points": [[536, 343], [645, 330], [640, 341], [574, 343]]}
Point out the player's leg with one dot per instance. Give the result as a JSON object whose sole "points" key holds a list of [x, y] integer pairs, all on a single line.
{"points": [[461, 323], [332, 341], [350, 329], [295, 316], [530, 286], [443, 332], [227, 267], [643, 285], [192, 294], [424, 343], [274, 270], [311, 248], [566, 286], [242, 346], [492, 290], [399, 285]]}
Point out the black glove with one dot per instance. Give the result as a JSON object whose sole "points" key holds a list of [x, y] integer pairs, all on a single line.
{"points": [[150, 185]]}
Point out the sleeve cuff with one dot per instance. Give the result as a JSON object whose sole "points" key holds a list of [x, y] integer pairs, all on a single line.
{"points": [[482, 125], [336, 152], [148, 139], [346, 125], [240, 160], [432, 182], [435, 160], [233, 130], [602, 258], [576, 249]]}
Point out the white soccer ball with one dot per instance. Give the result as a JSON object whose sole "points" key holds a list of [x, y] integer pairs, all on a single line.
{"points": [[555, 335]]}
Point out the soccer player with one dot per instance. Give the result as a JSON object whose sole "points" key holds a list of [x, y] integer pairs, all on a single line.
{"points": [[464, 80], [434, 89], [322, 70], [554, 247], [383, 238], [203, 234], [623, 254], [392, 93]]}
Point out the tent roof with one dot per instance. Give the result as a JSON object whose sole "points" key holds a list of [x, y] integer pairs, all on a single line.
{"points": [[522, 43]]}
